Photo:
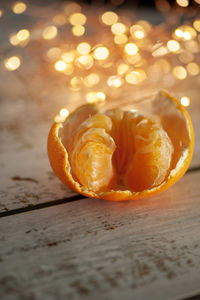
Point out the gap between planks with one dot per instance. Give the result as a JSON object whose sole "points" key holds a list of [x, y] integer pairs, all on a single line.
{"points": [[60, 201]]}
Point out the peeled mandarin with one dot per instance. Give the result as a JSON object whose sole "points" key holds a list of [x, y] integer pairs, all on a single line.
{"points": [[122, 155]]}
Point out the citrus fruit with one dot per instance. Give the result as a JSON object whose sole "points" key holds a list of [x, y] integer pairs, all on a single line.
{"points": [[122, 155]]}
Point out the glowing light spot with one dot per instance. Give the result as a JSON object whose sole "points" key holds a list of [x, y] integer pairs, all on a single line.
{"points": [[131, 49], [173, 45], [77, 19], [49, 32], [109, 18], [132, 78], [185, 101], [60, 65], [1, 12], [146, 25], [78, 30], [19, 7], [85, 61], [118, 28], [60, 19], [180, 72], [183, 3], [23, 34], [120, 39], [53, 53], [139, 34], [68, 57], [93, 97], [196, 25], [83, 48], [57, 119], [122, 68], [92, 79], [101, 53], [114, 81], [193, 69], [14, 40], [179, 33], [76, 83], [12, 63], [187, 35], [64, 113]]}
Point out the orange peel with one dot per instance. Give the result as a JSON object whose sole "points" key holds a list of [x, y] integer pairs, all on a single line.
{"points": [[122, 155]]}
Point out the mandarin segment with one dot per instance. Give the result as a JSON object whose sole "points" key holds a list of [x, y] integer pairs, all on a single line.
{"points": [[122, 155]]}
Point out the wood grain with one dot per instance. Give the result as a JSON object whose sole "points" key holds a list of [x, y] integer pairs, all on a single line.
{"points": [[27, 178], [93, 249]]}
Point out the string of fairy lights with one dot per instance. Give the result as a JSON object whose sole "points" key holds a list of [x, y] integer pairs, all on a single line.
{"points": [[103, 54]]}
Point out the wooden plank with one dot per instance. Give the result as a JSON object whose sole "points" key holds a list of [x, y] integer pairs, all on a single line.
{"points": [[27, 178], [94, 249]]}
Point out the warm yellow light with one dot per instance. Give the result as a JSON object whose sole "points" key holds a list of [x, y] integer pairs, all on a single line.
{"points": [[114, 81], [57, 119], [76, 83], [183, 3], [93, 97], [179, 72], [19, 7], [83, 48], [196, 25], [185, 101], [64, 113], [131, 48], [78, 30], [91, 80], [145, 25], [173, 45], [60, 65], [187, 35], [132, 78], [109, 18], [69, 69], [68, 57], [122, 68], [12, 63], [139, 34], [179, 33], [141, 75], [23, 34], [193, 69], [60, 19], [101, 53], [85, 61], [77, 19], [53, 53], [1, 12], [49, 32], [120, 39], [118, 28], [14, 40]]}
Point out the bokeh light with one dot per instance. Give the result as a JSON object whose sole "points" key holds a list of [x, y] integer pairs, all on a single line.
{"points": [[19, 7], [12, 63]]}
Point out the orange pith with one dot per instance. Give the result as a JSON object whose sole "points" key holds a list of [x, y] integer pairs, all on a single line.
{"points": [[122, 155]]}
